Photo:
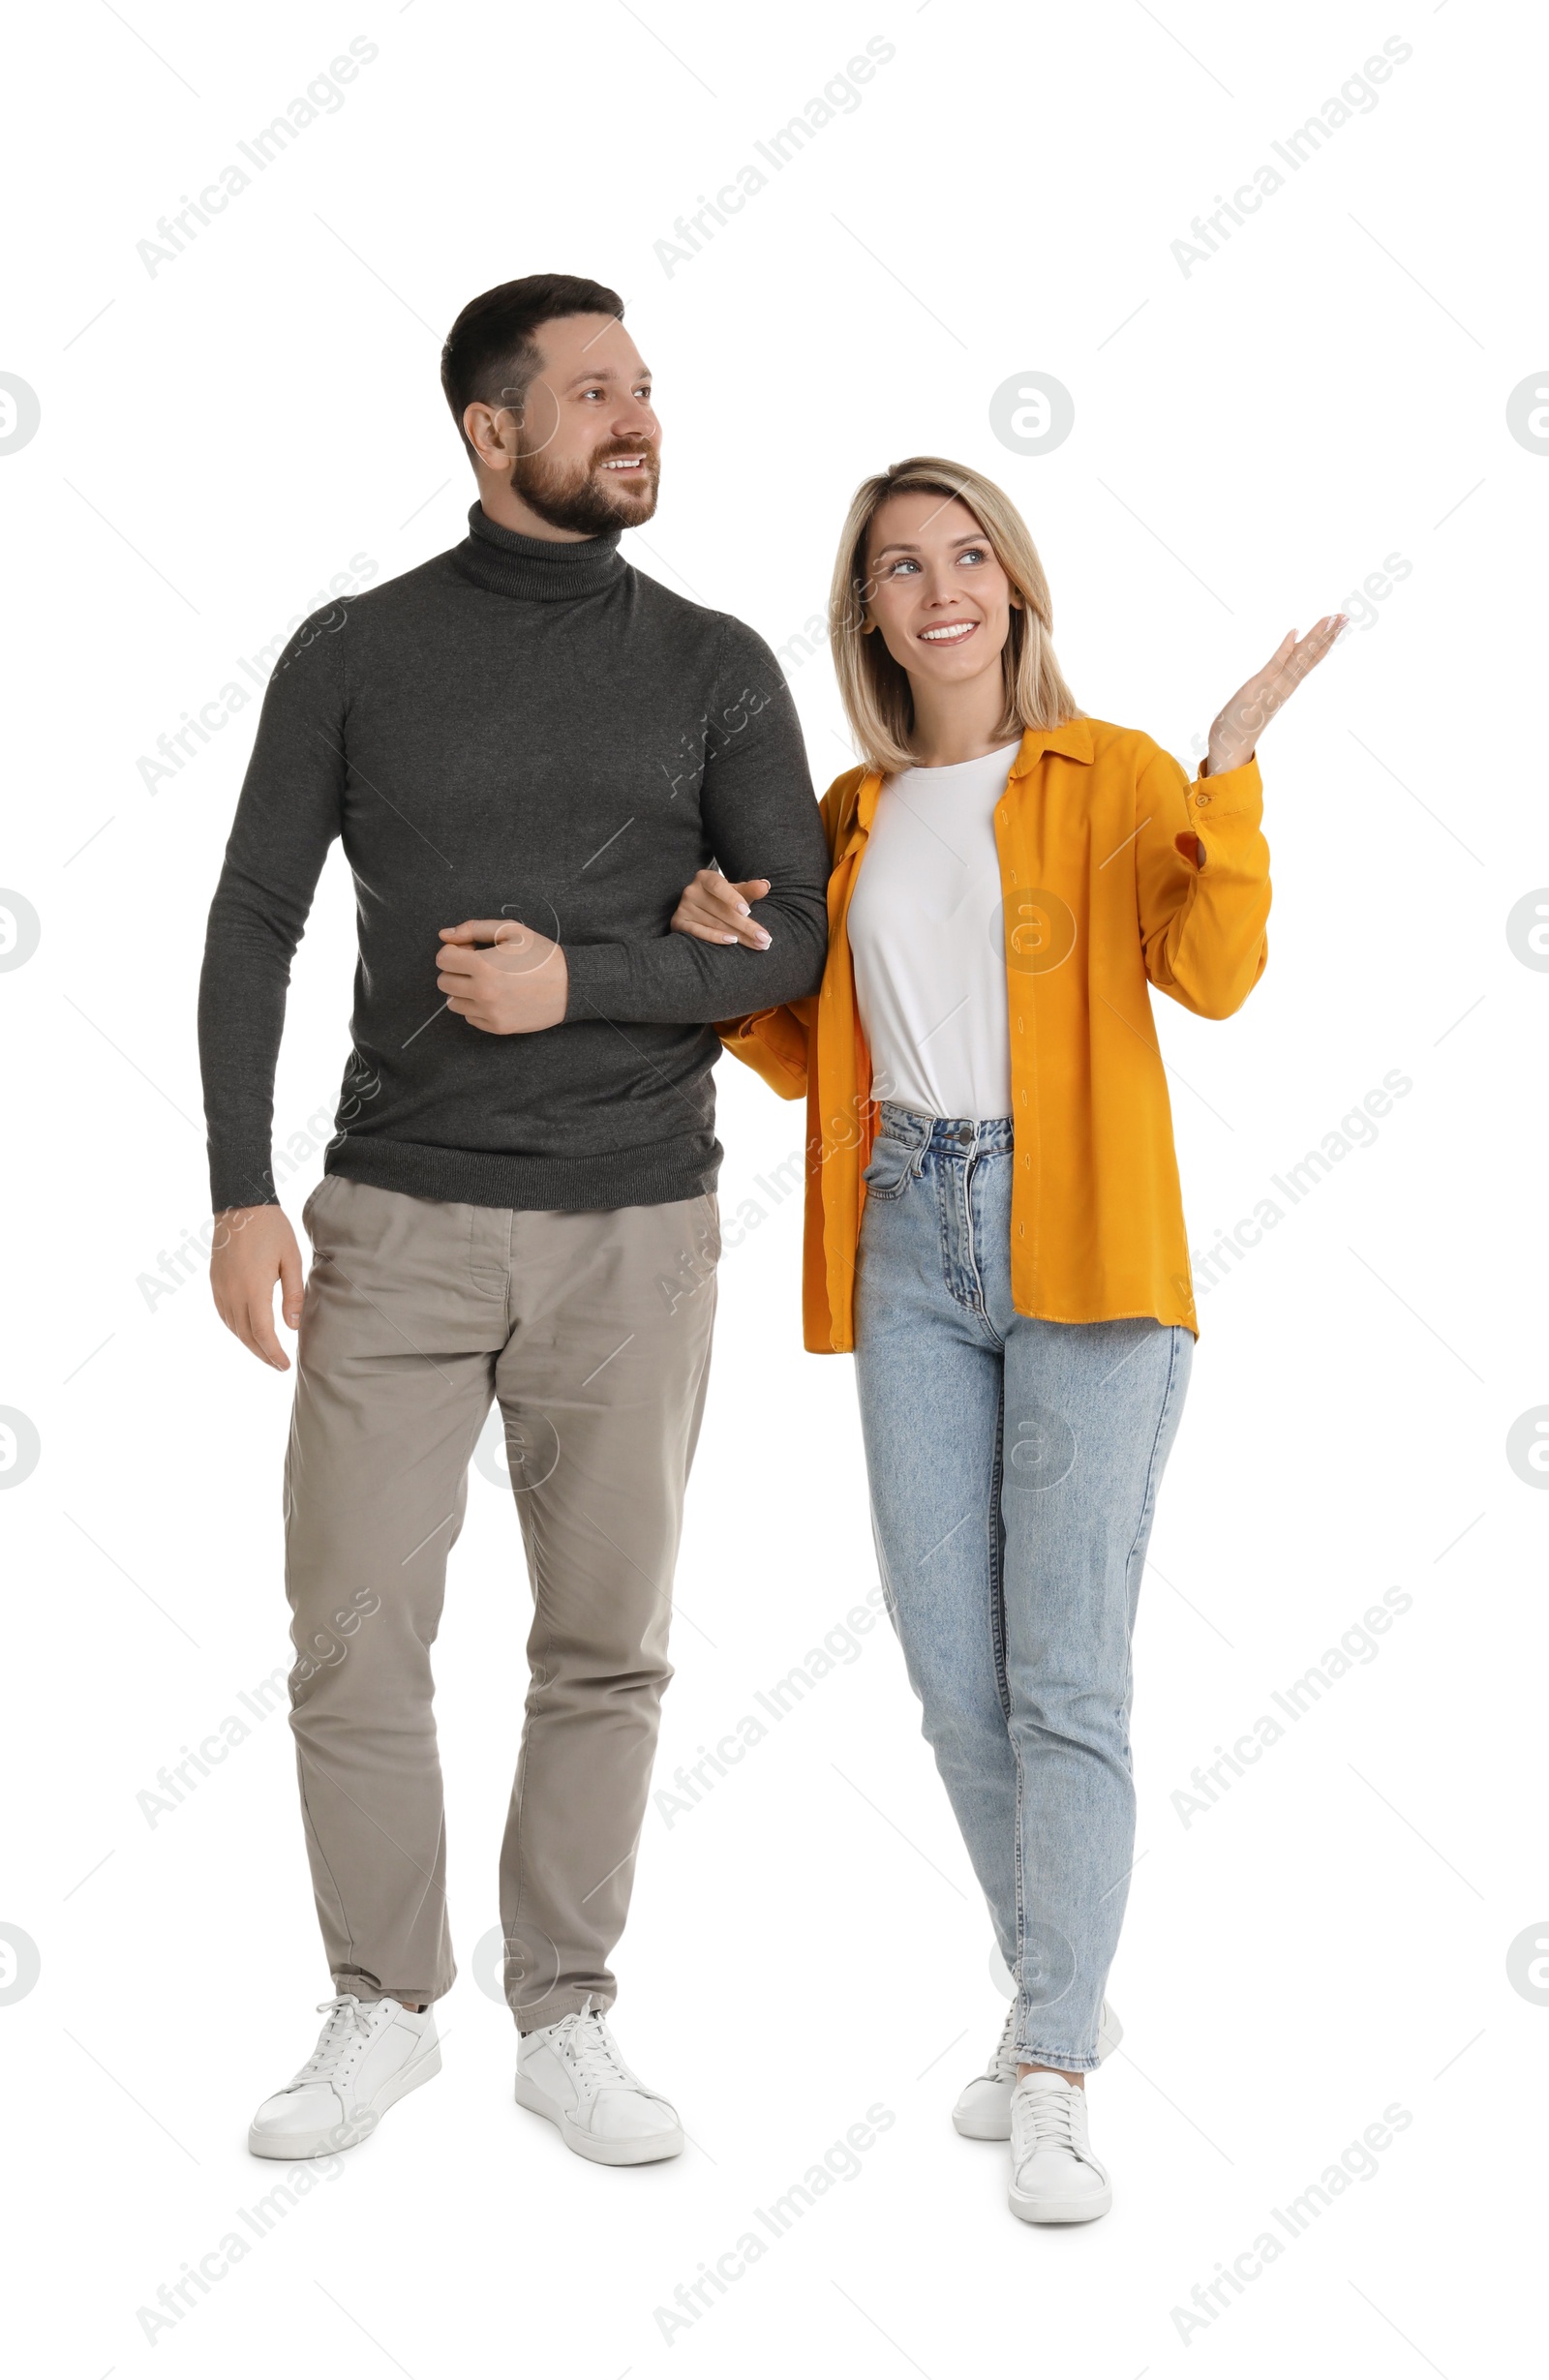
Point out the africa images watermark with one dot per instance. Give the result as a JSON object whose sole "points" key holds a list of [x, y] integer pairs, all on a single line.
{"points": [[1211, 2299], [1358, 1647], [840, 95], [174, 1783], [1356, 96], [327, 1646], [177, 748], [189, 1259], [177, 2299], [1356, 1129], [841, 1647], [708, 739], [841, 2162]]}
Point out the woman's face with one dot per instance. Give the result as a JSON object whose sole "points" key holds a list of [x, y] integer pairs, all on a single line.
{"points": [[935, 593]]}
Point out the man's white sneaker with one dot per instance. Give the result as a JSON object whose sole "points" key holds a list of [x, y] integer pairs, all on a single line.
{"points": [[1054, 2177], [983, 2110], [369, 2053], [573, 2073]]}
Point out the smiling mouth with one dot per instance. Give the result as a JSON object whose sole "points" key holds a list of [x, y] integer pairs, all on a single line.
{"points": [[625, 463], [957, 633]]}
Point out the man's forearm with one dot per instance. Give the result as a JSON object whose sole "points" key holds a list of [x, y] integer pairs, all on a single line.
{"points": [[675, 980], [241, 1016]]}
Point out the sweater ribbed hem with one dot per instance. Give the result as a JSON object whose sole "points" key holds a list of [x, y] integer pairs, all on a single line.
{"points": [[655, 1176]]}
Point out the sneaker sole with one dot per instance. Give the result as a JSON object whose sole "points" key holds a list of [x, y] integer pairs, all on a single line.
{"points": [[292, 2147], [994, 2123], [988, 2123], [646, 2152], [1083, 2209]]}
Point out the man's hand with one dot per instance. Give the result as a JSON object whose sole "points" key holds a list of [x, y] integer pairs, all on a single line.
{"points": [[713, 908], [254, 1247], [520, 983]]}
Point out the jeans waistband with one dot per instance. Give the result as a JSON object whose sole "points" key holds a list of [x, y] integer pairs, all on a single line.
{"points": [[945, 1135]]}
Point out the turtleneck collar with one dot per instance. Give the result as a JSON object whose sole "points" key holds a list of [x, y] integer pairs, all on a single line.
{"points": [[536, 569]]}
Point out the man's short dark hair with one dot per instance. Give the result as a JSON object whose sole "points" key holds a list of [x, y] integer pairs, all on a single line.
{"points": [[491, 356]]}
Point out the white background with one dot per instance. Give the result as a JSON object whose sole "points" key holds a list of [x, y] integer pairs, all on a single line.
{"points": [[1252, 438]]}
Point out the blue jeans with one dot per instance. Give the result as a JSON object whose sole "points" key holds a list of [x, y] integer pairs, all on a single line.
{"points": [[1014, 1467]]}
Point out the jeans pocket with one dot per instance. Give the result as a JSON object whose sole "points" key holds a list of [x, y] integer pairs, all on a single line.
{"points": [[892, 1167]]}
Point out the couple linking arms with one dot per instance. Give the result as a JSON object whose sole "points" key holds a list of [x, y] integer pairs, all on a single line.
{"points": [[607, 784]]}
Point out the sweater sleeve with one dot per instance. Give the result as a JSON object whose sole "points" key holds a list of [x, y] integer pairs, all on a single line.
{"points": [[1202, 883], [289, 812], [777, 1043], [760, 819]]}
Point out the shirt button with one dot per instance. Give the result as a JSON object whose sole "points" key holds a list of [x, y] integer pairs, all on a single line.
{"points": [[1200, 800]]}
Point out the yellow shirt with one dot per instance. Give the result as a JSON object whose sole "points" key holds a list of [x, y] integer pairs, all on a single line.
{"points": [[1117, 873]]}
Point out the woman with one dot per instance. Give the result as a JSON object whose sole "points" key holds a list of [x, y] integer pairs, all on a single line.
{"points": [[1011, 1267]]}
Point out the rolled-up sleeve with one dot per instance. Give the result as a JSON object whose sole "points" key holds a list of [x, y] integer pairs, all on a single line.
{"points": [[1202, 883]]}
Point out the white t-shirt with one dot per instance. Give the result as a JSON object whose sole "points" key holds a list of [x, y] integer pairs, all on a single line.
{"points": [[927, 942]]}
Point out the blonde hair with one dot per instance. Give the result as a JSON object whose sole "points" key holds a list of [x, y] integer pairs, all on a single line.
{"points": [[873, 687]]}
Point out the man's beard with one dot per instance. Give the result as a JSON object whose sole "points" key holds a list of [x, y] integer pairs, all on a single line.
{"points": [[584, 498]]}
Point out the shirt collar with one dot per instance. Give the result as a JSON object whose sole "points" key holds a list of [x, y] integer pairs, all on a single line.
{"points": [[1073, 740]]}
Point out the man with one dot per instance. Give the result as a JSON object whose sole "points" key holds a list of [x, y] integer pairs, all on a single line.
{"points": [[526, 748]]}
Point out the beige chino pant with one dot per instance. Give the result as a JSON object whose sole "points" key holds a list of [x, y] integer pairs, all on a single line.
{"points": [[592, 1332]]}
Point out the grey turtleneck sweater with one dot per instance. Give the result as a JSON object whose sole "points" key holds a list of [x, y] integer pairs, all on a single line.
{"points": [[526, 729]]}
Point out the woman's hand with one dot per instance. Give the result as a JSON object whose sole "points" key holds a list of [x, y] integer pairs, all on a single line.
{"points": [[714, 910], [1236, 727]]}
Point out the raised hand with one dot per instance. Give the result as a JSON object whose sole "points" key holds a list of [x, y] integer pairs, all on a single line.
{"points": [[1237, 724]]}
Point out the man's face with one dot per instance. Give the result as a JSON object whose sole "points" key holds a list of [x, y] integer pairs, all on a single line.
{"points": [[588, 456]]}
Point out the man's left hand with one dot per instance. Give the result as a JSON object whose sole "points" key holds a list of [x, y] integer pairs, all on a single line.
{"points": [[518, 984]]}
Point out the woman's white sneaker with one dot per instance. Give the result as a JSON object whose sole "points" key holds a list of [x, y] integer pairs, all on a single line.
{"points": [[573, 2073], [369, 2054], [983, 2108], [1054, 2177]]}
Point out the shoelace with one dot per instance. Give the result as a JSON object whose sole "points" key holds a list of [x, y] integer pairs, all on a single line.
{"points": [[344, 2033], [1050, 2117], [592, 2051]]}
